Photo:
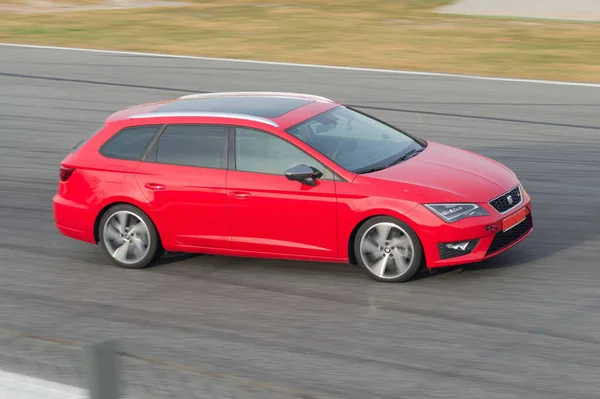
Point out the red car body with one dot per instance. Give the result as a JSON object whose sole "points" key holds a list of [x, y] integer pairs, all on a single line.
{"points": [[225, 211]]}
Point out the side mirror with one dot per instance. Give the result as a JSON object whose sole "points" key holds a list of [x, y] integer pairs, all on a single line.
{"points": [[304, 174]]}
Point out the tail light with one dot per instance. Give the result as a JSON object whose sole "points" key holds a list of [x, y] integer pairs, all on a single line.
{"points": [[65, 173]]}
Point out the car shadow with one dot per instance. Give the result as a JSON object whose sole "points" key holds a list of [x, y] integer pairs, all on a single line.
{"points": [[515, 257], [202, 264], [173, 257]]}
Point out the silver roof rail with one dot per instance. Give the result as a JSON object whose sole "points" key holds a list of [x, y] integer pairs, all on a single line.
{"points": [[255, 93], [205, 115]]}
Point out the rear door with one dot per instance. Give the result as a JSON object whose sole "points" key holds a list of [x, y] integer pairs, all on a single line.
{"points": [[268, 212], [183, 178]]}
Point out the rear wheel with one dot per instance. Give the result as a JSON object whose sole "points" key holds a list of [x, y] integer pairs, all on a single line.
{"points": [[128, 237], [388, 250]]}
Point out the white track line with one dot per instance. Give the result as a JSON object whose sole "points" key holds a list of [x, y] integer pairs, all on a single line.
{"points": [[342, 68], [18, 386]]}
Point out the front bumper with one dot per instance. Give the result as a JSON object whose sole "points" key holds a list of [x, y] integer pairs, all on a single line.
{"points": [[483, 234]]}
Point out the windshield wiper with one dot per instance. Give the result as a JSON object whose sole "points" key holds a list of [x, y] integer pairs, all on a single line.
{"points": [[404, 157], [369, 170]]}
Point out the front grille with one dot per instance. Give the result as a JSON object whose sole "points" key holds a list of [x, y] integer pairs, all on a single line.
{"points": [[447, 253], [507, 201], [505, 238]]}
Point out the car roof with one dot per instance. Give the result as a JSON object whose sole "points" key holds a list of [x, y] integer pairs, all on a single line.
{"points": [[280, 109]]}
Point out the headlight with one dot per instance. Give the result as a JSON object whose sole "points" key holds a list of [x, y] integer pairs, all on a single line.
{"points": [[455, 212]]}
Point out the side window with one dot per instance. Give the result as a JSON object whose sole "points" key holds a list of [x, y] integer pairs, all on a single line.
{"points": [[261, 152], [192, 145], [129, 143]]}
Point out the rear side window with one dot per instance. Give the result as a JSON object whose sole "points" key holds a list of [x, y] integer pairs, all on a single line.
{"points": [[129, 143], [192, 145]]}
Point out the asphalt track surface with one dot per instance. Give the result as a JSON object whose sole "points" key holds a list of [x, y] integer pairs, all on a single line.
{"points": [[524, 325]]}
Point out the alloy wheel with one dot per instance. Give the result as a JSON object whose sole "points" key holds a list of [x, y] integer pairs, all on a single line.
{"points": [[387, 250], [126, 237]]}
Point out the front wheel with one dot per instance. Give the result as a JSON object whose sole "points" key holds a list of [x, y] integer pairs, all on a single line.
{"points": [[128, 237], [388, 249]]}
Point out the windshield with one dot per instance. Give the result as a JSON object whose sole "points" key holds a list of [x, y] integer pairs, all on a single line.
{"points": [[354, 141]]}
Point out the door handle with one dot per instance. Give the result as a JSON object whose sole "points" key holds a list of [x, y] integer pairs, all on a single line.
{"points": [[239, 194], [155, 186]]}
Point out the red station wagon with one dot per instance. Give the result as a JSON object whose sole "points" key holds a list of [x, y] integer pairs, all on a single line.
{"points": [[288, 176]]}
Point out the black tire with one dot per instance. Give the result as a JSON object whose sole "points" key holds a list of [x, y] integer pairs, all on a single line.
{"points": [[154, 247], [418, 257]]}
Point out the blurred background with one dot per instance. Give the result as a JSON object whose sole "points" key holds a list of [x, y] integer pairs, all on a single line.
{"points": [[522, 325], [553, 39]]}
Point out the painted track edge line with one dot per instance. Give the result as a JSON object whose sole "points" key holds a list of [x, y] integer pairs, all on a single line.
{"points": [[26, 387], [342, 68]]}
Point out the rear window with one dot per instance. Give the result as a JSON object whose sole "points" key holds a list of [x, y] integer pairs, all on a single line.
{"points": [[129, 143], [191, 145]]}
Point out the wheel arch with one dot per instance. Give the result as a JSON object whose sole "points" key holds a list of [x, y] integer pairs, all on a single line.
{"points": [[401, 217], [116, 202]]}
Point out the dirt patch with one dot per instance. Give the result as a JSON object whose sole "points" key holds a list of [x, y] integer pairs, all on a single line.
{"points": [[578, 10]]}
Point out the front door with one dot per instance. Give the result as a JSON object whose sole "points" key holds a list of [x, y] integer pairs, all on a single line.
{"points": [[183, 178], [271, 214]]}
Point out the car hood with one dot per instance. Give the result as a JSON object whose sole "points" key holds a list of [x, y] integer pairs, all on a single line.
{"points": [[443, 173]]}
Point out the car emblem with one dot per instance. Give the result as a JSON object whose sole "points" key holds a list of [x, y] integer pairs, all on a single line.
{"points": [[510, 200]]}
